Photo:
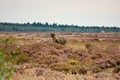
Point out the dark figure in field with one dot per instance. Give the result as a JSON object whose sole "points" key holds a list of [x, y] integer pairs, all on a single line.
{"points": [[59, 40]]}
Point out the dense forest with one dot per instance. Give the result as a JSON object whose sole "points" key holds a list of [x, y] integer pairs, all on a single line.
{"points": [[46, 27]]}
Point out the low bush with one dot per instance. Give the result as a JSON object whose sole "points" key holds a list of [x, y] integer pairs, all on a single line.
{"points": [[10, 46], [117, 69], [97, 69], [10, 55], [6, 67], [69, 67]]}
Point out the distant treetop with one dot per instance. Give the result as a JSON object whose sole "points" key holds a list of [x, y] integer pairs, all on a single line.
{"points": [[46, 27]]}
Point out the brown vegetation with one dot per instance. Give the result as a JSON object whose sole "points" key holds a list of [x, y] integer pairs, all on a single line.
{"points": [[94, 56]]}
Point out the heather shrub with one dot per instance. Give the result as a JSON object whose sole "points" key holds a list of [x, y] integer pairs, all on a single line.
{"points": [[69, 67], [97, 69], [10, 46], [117, 69], [19, 58], [72, 55], [118, 62], [58, 46], [73, 62], [10, 55], [88, 46], [6, 67]]}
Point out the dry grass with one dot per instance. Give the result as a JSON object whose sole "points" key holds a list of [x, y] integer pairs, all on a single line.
{"points": [[46, 74], [93, 56]]}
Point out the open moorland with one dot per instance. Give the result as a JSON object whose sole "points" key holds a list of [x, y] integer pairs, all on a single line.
{"points": [[84, 56]]}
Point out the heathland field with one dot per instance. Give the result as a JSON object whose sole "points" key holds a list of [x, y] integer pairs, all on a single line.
{"points": [[66, 56]]}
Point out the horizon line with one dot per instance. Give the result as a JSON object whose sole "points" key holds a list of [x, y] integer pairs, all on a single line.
{"points": [[59, 24]]}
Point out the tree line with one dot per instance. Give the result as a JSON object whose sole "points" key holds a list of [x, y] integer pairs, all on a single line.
{"points": [[46, 27]]}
